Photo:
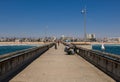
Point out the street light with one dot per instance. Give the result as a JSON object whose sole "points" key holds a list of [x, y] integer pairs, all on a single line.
{"points": [[84, 14]]}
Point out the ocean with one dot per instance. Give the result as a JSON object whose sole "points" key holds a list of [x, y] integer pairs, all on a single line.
{"points": [[12, 48], [109, 48]]}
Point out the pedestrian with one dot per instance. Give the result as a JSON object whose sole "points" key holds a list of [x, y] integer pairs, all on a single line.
{"points": [[58, 42], [55, 46]]}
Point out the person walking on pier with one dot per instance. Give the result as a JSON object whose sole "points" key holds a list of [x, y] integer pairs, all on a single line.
{"points": [[55, 45], [58, 42]]}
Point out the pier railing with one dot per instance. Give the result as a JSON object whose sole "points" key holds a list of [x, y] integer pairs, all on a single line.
{"points": [[10, 63], [108, 63]]}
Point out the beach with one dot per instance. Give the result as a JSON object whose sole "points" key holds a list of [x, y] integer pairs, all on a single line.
{"points": [[90, 43], [22, 43]]}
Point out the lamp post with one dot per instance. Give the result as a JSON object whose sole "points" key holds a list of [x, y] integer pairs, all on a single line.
{"points": [[84, 14], [45, 38]]}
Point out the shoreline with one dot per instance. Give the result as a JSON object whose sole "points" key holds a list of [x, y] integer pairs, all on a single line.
{"points": [[22, 43], [91, 43], [42, 43]]}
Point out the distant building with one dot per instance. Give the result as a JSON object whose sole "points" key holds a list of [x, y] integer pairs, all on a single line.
{"points": [[2, 40], [91, 37], [114, 39], [17, 40], [62, 37]]}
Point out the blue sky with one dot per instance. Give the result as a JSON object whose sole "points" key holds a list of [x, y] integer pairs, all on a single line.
{"points": [[37, 18]]}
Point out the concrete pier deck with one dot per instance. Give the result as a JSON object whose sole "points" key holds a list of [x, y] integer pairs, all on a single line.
{"points": [[56, 66]]}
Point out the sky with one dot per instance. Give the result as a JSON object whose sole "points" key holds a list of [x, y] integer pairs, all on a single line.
{"points": [[40, 18]]}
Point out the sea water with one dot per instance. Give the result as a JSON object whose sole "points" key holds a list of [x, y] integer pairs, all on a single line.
{"points": [[109, 48], [4, 49]]}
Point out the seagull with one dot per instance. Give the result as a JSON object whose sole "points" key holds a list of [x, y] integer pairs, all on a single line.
{"points": [[102, 47]]}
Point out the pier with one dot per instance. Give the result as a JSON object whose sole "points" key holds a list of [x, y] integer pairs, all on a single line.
{"points": [[59, 41], [56, 66]]}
